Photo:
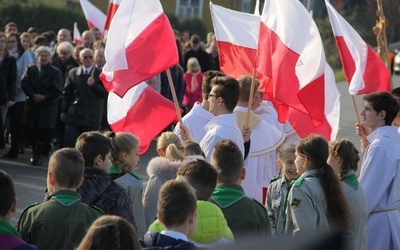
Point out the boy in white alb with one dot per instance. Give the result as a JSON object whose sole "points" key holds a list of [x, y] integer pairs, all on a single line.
{"points": [[261, 164], [380, 171], [199, 115], [222, 99]]}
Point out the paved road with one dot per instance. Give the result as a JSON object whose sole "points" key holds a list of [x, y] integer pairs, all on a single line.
{"points": [[30, 182]]}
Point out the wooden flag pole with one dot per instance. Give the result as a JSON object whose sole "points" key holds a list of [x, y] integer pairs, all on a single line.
{"points": [[357, 115], [174, 97], [251, 97], [380, 32]]}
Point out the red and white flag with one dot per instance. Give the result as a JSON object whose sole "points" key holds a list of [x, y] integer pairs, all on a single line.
{"points": [[290, 51], [77, 34], [112, 9], [140, 44], [94, 16], [142, 111], [364, 70], [236, 34]]}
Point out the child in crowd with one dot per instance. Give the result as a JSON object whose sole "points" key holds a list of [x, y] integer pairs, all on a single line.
{"points": [[98, 188], [245, 216], [9, 237], [278, 189], [316, 202], [62, 221], [125, 156], [177, 212], [212, 229], [193, 78], [110, 232], [192, 148], [343, 158], [160, 170]]}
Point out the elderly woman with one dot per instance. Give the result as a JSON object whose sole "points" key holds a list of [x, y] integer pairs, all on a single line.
{"points": [[42, 84], [64, 60]]}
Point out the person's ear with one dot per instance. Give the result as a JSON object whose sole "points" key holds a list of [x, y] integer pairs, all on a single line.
{"points": [[243, 174], [382, 114], [51, 178], [193, 217], [159, 219], [160, 152], [14, 205], [80, 182], [279, 163], [98, 160]]}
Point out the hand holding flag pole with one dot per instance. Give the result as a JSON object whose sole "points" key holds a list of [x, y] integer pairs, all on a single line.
{"points": [[174, 97]]}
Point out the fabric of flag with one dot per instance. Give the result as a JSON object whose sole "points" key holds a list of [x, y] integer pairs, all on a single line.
{"points": [[290, 51], [140, 44], [94, 16], [142, 111], [236, 34], [112, 9], [77, 35], [364, 70]]}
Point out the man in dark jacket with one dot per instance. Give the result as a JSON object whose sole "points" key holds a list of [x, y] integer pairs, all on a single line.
{"points": [[82, 99], [42, 84], [98, 189], [197, 52]]}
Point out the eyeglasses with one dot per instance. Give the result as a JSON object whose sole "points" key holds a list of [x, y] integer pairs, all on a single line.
{"points": [[211, 95], [88, 57]]}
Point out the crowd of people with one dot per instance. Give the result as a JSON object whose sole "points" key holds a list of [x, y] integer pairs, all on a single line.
{"points": [[220, 178]]}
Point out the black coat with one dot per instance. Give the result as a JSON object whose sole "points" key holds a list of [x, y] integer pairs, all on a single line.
{"points": [[8, 71], [48, 83], [64, 67], [83, 104]]}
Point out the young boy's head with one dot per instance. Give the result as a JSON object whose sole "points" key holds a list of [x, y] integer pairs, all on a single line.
{"points": [[245, 87], [228, 160], [65, 170], [224, 95], [380, 109], [206, 84], [286, 157], [177, 207], [201, 175], [95, 148], [8, 202]]}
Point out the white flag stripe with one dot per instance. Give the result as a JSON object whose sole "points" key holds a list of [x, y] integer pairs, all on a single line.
{"points": [[242, 32]]}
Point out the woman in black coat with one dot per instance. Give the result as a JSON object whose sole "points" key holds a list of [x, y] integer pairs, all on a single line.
{"points": [[42, 84]]}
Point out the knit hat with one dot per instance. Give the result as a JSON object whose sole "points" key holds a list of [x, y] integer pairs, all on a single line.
{"points": [[42, 49]]}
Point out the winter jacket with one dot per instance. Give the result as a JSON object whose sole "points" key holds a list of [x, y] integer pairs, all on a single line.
{"points": [[98, 189], [212, 229], [8, 71], [160, 170]]}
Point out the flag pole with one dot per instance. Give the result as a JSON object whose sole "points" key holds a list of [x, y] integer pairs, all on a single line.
{"points": [[380, 32], [174, 97], [251, 97], [357, 116]]}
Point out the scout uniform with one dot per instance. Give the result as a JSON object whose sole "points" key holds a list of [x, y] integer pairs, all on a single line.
{"points": [[59, 223], [10, 239], [306, 209], [355, 197], [276, 204]]}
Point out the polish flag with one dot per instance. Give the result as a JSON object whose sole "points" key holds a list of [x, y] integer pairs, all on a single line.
{"points": [[77, 35], [94, 16], [290, 51], [112, 8], [236, 34], [239, 34], [140, 44], [364, 70], [142, 111]]}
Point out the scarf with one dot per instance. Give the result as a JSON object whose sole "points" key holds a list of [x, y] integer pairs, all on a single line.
{"points": [[194, 83]]}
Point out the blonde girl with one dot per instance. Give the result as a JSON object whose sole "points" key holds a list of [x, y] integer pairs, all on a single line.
{"points": [[193, 78], [124, 158], [160, 170], [343, 158], [279, 187]]}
